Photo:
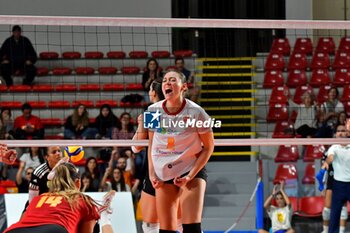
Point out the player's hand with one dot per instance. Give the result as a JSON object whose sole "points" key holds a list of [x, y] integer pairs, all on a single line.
{"points": [[156, 182], [52, 173], [7, 156], [181, 181]]}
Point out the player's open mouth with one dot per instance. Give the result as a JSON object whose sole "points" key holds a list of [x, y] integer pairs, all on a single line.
{"points": [[168, 91]]}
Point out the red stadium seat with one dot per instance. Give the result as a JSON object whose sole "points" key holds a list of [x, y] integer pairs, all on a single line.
{"points": [[293, 116], [313, 152], [52, 122], [279, 95], [341, 60], [87, 103], [311, 206], [71, 55], [20, 88], [309, 174], [322, 95], [285, 171], [113, 87], [10, 104], [303, 45], [89, 87], [296, 78], [111, 103], [287, 154], [320, 77], [107, 70], [277, 112], [61, 71], [48, 55], [283, 129], [320, 60], [116, 55], [299, 92], [37, 104], [9, 186], [134, 87], [281, 45], [54, 137], [138, 54], [84, 70], [273, 78], [130, 70], [344, 45], [274, 61], [59, 104], [297, 61], [42, 71], [93, 55], [341, 77], [183, 53], [160, 54], [43, 88], [66, 87], [3, 88], [325, 45], [346, 93]]}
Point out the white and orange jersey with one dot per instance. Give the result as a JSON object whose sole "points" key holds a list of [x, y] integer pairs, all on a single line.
{"points": [[176, 142]]}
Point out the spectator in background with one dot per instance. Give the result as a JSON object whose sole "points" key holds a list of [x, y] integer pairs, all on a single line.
{"points": [[124, 132], [77, 124], [152, 73], [193, 91], [306, 122], [105, 121], [91, 168], [18, 56], [34, 158], [6, 124], [86, 183], [280, 215], [22, 182], [28, 126], [342, 116], [116, 180], [329, 114]]}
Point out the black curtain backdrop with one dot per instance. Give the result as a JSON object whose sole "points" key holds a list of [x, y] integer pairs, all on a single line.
{"points": [[212, 42]]}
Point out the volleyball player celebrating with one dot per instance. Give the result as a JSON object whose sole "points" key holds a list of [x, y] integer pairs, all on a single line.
{"points": [[177, 157], [64, 209]]}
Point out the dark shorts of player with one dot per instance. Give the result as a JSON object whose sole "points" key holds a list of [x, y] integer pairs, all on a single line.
{"points": [[330, 180], [147, 186], [202, 174], [51, 228]]}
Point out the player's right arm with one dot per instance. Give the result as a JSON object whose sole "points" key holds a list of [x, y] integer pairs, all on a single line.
{"points": [[141, 133], [33, 187]]}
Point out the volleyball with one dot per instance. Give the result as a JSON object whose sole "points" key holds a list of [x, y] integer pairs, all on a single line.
{"points": [[75, 153]]}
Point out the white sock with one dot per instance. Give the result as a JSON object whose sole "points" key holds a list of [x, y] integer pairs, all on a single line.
{"points": [[341, 229], [105, 218], [325, 229]]}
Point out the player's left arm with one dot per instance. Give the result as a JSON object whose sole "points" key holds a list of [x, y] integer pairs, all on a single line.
{"points": [[203, 156]]}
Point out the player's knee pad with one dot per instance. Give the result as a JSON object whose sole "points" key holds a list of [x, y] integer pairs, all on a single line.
{"points": [[192, 228], [344, 213], [150, 227], [326, 213]]}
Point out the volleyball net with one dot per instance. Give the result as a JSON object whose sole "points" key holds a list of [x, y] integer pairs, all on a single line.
{"points": [[246, 73]]}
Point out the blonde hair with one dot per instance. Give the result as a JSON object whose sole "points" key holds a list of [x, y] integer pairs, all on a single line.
{"points": [[63, 184]]}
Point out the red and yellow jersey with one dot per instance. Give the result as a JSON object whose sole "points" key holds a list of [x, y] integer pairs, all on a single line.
{"points": [[54, 209]]}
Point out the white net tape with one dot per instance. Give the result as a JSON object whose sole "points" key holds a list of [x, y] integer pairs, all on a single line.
{"points": [[218, 142], [179, 23]]}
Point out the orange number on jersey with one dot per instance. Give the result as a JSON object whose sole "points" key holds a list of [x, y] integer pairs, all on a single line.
{"points": [[171, 143], [52, 201]]}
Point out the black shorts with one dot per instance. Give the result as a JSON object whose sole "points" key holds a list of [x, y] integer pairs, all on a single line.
{"points": [[202, 174], [147, 186], [50, 228], [330, 179]]}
